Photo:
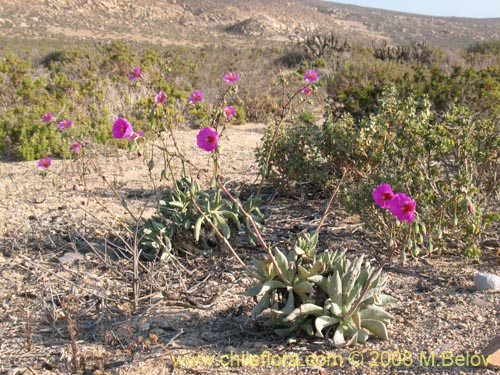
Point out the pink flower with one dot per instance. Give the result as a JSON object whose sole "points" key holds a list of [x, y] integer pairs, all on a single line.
{"points": [[45, 162], [65, 124], [47, 117], [230, 77], [208, 139], [160, 98], [195, 97], [230, 112], [75, 147], [136, 135], [403, 207], [136, 73], [306, 90], [383, 195], [122, 128], [310, 76]]}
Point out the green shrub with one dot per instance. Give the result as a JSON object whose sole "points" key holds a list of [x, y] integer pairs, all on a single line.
{"points": [[448, 163]]}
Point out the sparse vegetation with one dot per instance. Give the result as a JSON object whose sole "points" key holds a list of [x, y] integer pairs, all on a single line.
{"points": [[139, 233]]}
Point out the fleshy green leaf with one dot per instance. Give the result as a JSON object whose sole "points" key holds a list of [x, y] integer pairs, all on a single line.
{"points": [[305, 309], [376, 327], [324, 321], [376, 313], [197, 227], [263, 288], [263, 304]]}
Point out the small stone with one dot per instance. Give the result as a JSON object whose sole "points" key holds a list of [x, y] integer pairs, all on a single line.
{"points": [[70, 257], [443, 348], [487, 281], [492, 353], [482, 303]]}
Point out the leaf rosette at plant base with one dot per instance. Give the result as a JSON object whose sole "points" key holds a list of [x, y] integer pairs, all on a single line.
{"points": [[325, 295]]}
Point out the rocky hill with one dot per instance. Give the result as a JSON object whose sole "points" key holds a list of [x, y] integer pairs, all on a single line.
{"points": [[201, 22]]}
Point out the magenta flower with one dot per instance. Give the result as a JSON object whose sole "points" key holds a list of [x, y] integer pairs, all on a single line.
{"points": [[45, 162], [65, 124], [195, 97], [383, 195], [306, 90], [403, 207], [230, 112], [122, 128], [208, 139], [310, 76], [136, 73], [136, 135], [75, 147], [230, 78], [160, 98], [47, 117]]}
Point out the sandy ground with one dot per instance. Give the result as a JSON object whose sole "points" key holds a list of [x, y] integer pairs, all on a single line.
{"points": [[65, 298]]}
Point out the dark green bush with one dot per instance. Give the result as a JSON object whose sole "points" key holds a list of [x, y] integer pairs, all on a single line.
{"points": [[449, 164]]}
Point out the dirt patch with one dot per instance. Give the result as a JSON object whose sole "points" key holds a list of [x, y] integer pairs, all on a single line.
{"points": [[65, 293]]}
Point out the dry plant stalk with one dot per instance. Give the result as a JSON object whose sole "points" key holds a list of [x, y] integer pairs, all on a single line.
{"points": [[77, 362]]}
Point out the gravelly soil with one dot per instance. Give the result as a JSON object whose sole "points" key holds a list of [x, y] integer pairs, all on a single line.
{"points": [[59, 277]]}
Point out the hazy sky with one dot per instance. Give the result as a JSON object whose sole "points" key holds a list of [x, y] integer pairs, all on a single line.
{"points": [[446, 8]]}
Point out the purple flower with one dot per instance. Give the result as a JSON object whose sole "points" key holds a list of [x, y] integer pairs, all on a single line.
{"points": [[160, 98], [208, 139], [65, 124], [45, 162], [195, 97], [47, 117], [122, 128], [230, 112], [136, 135], [136, 73], [230, 77], [310, 76], [75, 147], [306, 90], [383, 195], [403, 207]]}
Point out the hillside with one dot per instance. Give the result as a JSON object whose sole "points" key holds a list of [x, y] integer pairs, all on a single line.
{"points": [[200, 22]]}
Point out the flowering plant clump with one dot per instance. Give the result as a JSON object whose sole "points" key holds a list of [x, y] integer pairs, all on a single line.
{"points": [[208, 139], [291, 148]]}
